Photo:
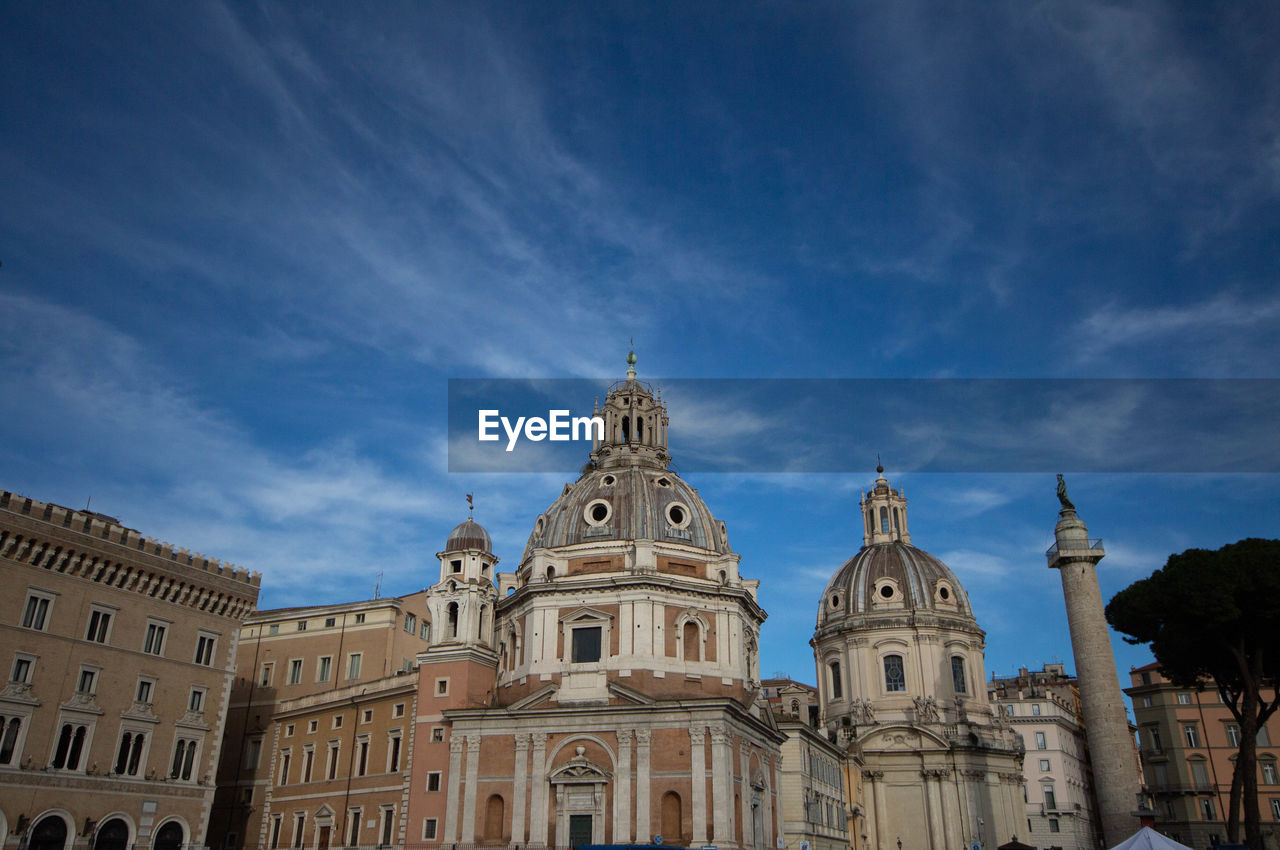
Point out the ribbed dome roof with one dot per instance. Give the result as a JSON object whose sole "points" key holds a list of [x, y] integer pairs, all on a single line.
{"points": [[628, 504], [889, 577], [469, 535]]}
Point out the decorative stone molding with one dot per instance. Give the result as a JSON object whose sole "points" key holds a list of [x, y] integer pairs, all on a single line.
{"points": [[19, 692], [873, 775], [927, 710]]}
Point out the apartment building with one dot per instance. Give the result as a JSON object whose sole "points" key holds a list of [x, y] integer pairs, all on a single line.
{"points": [[119, 651], [1189, 740], [1044, 708], [313, 659]]}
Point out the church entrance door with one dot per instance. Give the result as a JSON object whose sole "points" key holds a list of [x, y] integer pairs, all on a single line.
{"points": [[579, 830]]}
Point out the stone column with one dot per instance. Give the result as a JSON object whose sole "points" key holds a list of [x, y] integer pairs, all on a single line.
{"points": [[538, 800], [769, 785], [456, 745], [933, 805], [721, 784], [518, 792], [622, 790], [469, 790], [876, 778], [698, 781], [744, 790], [644, 817]]}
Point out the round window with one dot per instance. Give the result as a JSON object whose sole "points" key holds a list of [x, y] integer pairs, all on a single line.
{"points": [[607, 480], [943, 593], [677, 515], [835, 600], [886, 591], [597, 513]]}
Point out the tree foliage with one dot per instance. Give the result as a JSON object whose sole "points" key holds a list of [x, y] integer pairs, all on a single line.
{"points": [[1214, 616]]}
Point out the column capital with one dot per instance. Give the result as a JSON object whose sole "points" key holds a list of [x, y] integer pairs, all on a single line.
{"points": [[644, 737], [456, 745], [873, 775], [624, 737], [719, 735], [697, 735], [539, 740], [522, 742], [473, 739]]}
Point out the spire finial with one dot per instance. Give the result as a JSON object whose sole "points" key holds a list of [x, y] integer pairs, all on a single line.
{"points": [[631, 361], [471, 507], [879, 465]]}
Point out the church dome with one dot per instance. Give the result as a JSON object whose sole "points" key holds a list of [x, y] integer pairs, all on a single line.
{"points": [[628, 503], [889, 575], [468, 535]]}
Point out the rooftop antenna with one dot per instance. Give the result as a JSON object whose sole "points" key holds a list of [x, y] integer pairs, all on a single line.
{"points": [[471, 507], [87, 503], [377, 588]]}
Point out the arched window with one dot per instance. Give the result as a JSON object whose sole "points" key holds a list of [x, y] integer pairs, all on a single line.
{"points": [[551, 573], [884, 520], [639, 429], [894, 674], [871, 524], [452, 619], [896, 527], [49, 833], [626, 429], [795, 708], [12, 726], [837, 687], [170, 836], [112, 835], [692, 637], [958, 681], [484, 612]]}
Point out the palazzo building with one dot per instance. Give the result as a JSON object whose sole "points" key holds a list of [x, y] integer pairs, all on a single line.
{"points": [[900, 662], [607, 691], [119, 651]]}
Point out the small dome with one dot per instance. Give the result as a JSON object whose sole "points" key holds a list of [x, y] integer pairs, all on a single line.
{"points": [[891, 577], [469, 535], [628, 504]]}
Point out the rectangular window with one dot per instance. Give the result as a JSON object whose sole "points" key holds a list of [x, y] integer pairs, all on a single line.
{"points": [[1200, 773], [285, 759], [295, 671], [429, 826], [1154, 734], [366, 716], [424, 631], [275, 831], [1268, 773], [265, 679], [1053, 825], [353, 827], [145, 688], [362, 755], [1035, 709], [437, 734], [393, 752], [273, 629], [1233, 735], [1275, 809], [1040, 742], [1050, 798], [99, 625], [359, 618], [388, 819], [1146, 702], [154, 643], [288, 731], [312, 725], [1184, 699], [433, 780], [87, 683], [353, 665], [455, 566], [1263, 739], [958, 682], [204, 650], [410, 623], [195, 702], [894, 674], [442, 687], [302, 625], [397, 710], [330, 622], [586, 644], [1207, 809], [299, 821], [252, 753], [337, 721], [308, 762], [1192, 734], [36, 613], [331, 765], [323, 668], [23, 666], [1044, 765]]}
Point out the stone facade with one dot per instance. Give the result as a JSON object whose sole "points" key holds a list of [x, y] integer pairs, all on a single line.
{"points": [[1043, 707], [120, 652], [900, 668]]}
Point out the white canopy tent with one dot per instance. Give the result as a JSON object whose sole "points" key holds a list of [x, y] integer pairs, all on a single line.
{"points": [[1148, 839]]}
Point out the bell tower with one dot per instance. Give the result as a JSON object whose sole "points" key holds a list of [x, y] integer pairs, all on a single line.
{"points": [[884, 513]]}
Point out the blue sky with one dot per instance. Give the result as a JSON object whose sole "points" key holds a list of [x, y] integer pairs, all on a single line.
{"points": [[244, 248]]}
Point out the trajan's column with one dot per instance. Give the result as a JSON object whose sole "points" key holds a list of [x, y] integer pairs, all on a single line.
{"points": [[1115, 775]]}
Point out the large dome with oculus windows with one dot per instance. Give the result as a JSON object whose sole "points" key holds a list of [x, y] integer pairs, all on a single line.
{"points": [[888, 575]]}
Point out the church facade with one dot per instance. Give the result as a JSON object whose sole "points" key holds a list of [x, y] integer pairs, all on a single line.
{"points": [[607, 691], [901, 673]]}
